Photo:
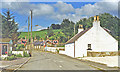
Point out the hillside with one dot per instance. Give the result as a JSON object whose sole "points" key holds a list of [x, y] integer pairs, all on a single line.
{"points": [[41, 33]]}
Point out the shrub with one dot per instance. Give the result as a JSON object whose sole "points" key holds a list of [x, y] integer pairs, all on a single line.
{"points": [[17, 48], [18, 55], [10, 58], [10, 53], [57, 50], [25, 54]]}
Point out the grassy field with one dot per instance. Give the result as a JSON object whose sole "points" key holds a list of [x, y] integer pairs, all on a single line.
{"points": [[41, 33]]}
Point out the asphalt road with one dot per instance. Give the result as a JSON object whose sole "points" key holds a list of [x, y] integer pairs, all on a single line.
{"points": [[50, 61]]}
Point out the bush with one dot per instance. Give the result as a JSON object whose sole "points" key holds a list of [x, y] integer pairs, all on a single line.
{"points": [[10, 58], [10, 53], [18, 55], [57, 50], [25, 54], [17, 48]]}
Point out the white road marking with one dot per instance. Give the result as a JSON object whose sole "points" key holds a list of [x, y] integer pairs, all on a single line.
{"points": [[60, 61], [60, 66]]}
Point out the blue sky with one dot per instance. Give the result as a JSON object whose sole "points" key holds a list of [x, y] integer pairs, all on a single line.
{"points": [[47, 13]]}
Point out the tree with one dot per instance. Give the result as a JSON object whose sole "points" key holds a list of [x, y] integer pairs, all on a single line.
{"points": [[50, 32], [9, 26], [38, 37], [68, 27], [55, 26]]}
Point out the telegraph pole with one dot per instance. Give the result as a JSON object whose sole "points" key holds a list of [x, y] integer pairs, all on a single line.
{"points": [[31, 28], [74, 29], [28, 28]]}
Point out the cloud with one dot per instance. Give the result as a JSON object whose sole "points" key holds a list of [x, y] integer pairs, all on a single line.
{"points": [[61, 10], [15, 1], [63, 7], [22, 29], [38, 28]]}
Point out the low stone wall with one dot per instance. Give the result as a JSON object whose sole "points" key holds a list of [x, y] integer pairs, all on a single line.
{"points": [[101, 54]]}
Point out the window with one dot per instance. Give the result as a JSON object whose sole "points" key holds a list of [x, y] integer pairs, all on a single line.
{"points": [[89, 47], [4, 49]]}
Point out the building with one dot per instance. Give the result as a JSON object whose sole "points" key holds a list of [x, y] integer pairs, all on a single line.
{"points": [[38, 44], [95, 40], [5, 47]]}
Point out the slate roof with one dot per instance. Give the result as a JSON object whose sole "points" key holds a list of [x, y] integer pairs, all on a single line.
{"points": [[81, 33], [37, 43], [5, 40], [77, 36]]}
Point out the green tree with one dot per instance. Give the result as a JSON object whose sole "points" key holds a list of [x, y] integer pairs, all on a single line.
{"points": [[50, 32], [9, 26], [38, 37], [67, 27]]}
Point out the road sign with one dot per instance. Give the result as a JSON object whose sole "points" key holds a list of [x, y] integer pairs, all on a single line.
{"points": [[23, 42], [55, 41]]}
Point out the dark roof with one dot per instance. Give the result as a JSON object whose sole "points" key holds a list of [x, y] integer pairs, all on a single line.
{"points": [[77, 36], [81, 33], [37, 43], [5, 39]]}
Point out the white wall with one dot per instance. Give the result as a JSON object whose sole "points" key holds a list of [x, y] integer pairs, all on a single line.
{"points": [[69, 49], [100, 41], [19, 52]]}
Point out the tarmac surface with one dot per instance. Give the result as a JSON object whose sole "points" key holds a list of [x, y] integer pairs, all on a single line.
{"points": [[50, 61]]}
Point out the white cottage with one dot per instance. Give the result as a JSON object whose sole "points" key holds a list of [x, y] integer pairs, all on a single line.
{"points": [[94, 39]]}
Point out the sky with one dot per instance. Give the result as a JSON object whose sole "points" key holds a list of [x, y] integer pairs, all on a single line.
{"points": [[49, 12]]}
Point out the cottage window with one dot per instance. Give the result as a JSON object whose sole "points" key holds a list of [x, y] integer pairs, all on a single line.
{"points": [[4, 49], [89, 47]]}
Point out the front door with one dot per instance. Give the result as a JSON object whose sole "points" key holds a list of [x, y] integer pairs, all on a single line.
{"points": [[4, 49]]}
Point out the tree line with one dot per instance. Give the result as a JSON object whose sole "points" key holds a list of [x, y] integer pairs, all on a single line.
{"points": [[106, 20]]}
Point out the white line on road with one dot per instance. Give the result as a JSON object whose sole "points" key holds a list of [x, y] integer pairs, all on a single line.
{"points": [[60, 66]]}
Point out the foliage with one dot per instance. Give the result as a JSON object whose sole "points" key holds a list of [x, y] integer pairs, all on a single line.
{"points": [[57, 50], [25, 54], [50, 32], [67, 27], [38, 37], [10, 53], [12, 57], [9, 26], [19, 55], [19, 47], [55, 26]]}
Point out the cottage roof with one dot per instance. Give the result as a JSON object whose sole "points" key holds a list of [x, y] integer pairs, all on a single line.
{"points": [[81, 33], [37, 42], [77, 36], [5, 40]]}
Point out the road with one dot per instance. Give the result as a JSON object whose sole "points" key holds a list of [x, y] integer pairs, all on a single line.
{"points": [[50, 61]]}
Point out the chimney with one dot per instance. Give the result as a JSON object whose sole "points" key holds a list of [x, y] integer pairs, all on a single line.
{"points": [[80, 28], [94, 18], [96, 22]]}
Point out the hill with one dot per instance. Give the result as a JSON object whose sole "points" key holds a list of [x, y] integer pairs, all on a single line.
{"points": [[41, 33]]}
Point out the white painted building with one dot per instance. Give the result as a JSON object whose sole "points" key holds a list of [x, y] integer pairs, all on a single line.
{"points": [[95, 39]]}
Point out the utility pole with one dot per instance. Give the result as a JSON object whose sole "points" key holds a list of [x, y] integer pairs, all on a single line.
{"points": [[28, 28], [31, 28], [74, 29], [31, 46]]}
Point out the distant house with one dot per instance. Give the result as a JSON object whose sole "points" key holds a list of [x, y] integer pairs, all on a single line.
{"points": [[38, 44], [5, 46], [95, 39]]}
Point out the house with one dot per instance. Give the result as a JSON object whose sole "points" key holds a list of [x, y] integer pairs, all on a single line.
{"points": [[95, 41], [5, 47]]}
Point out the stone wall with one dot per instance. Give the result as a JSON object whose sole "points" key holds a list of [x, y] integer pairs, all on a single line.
{"points": [[101, 54]]}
